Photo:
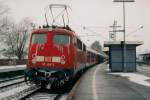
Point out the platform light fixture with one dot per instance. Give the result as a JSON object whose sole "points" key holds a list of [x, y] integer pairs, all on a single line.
{"points": [[123, 0]]}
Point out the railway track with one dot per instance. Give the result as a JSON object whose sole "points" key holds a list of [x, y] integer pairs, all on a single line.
{"points": [[9, 83], [17, 91], [52, 94], [45, 95], [10, 79], [15, 88]]}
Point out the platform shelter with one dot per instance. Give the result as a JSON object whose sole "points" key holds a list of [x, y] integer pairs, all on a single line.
{"points": [[116, 55]]}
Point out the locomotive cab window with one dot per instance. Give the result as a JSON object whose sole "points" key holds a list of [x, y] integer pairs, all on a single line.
{"points": [[61, 39], [39, 38]]}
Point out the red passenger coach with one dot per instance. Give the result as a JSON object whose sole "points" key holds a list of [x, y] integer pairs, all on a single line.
{"points": [[56, 55]]}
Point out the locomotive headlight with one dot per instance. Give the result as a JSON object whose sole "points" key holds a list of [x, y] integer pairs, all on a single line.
{"points": [[62, 62], [40, 58], [56, 59], [34, 60], [37, 59]]}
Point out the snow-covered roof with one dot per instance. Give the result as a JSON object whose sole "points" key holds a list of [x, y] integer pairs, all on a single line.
{"points": [[108, 43], [147, 53]]}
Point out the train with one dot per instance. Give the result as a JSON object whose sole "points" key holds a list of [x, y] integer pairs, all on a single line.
{"points": [[144, 58], [56, 55]]}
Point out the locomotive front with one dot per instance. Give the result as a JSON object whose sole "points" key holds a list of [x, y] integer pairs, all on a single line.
{"points": [[50, 57]]}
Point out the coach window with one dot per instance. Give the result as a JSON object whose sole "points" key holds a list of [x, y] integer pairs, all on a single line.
{"points": [[61, 39], [79, 44], [74, 40], [84, 47]]}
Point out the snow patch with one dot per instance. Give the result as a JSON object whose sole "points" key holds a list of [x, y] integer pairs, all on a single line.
{"points": [[12, 68], [136, 78], [64, 97], [13, 91], [107, 69]]}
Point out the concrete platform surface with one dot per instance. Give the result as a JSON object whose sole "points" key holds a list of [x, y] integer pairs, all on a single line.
{"points": [[100, 84]]}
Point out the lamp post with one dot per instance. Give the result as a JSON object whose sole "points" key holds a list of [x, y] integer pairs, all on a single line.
{"points": [[124, 30]]}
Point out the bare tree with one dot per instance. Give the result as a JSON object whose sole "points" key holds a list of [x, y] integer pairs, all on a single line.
{"points": [[3, 11], [6, 36], [15, 37], [22, 34], [96, 46]]}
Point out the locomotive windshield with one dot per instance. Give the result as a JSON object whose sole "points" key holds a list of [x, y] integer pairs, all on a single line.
{"points": [[61, 39], [39, 38]]}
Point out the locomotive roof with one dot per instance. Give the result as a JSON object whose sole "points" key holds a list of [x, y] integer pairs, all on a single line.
{"points": [[61, 30]]}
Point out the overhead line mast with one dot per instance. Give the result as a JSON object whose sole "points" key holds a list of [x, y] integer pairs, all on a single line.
{"points": [[113, 32]]}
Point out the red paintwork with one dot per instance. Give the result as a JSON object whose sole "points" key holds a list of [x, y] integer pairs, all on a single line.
{"points": [[73, 57], [50, 49]]}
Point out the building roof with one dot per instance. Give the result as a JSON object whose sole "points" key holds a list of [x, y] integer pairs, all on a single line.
{"points": [[109, 43], [145, 53]]}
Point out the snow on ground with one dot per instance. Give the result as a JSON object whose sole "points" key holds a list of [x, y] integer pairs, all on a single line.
{"points": [[12, 68], [13, 91], [64, 97], [16, 66], [107, 69], [145, 67], [134, 77]]}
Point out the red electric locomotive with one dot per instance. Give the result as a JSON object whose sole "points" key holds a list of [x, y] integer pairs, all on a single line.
{"points": [[56, 55]]}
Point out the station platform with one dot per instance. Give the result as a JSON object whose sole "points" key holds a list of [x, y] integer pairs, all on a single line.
{"points": [[98, 83], [12, 68]]}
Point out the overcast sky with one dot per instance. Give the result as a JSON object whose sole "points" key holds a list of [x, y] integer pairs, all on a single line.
{"points": [[96, 15]]}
